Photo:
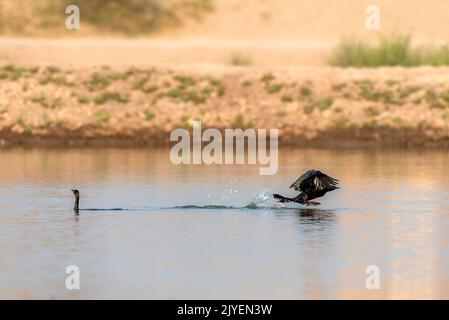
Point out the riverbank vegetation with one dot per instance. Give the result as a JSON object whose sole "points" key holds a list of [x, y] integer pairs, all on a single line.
{"points": [[143, 105], [394, 50]]}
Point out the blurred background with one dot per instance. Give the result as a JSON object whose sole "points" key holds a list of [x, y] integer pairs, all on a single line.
{"points": [[312, 69], [256, 32]]}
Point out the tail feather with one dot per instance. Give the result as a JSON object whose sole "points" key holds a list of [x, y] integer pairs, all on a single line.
{"points": [[280, 198]]}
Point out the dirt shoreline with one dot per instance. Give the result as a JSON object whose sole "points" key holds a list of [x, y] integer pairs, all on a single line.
{"points": [[139, 107], [373, 138]]}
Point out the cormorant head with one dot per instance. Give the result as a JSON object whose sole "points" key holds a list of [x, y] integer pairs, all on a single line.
{"points": [[77, 200], [76, 193]]}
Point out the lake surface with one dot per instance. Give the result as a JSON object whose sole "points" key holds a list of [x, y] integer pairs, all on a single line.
{"points": [[392, 211]]}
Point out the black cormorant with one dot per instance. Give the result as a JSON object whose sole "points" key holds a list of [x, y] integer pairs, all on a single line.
{"points": [[312, 184], [76, 207]]}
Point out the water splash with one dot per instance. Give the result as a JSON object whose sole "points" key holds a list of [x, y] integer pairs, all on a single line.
{"points": [[263, 199], [229, 195]]}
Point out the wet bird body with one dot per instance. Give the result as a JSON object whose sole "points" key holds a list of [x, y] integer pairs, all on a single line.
{"points": [[76, 207], [312, 184]]}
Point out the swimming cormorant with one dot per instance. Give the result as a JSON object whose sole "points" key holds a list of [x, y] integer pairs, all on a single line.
{"points": [[76, 207], [312, 184]]}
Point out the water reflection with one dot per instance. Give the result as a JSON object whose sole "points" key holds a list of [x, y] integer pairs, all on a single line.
{"points": [[315, 215], [308, 215]]}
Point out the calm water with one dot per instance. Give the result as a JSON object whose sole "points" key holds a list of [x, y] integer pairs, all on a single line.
{"points": [[392, 211]]}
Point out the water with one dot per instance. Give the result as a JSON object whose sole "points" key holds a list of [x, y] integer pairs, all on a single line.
{"points": [[214, 232]]}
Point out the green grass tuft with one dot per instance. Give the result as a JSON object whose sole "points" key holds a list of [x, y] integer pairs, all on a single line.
{"points": [[281, 113], [59, 81], [371, 111], [240, 59], [83, 99], [149, 115], [267, 77], [325, 103], [240, 123], [12, 72], [338, 123], [21, 123], [110, 96], [395, 50], [271, 88], [102, 117], [433, 100], [102, 80], [286, 98], [305, 92]]}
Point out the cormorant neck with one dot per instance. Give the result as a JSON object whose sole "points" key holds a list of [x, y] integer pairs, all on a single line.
{"points": [[77, 203]]}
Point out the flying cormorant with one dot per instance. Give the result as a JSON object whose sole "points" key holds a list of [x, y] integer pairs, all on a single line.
{"points": [[312, 184]]}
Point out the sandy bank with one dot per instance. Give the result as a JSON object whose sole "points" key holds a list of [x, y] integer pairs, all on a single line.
{"points": [[318, 106]]}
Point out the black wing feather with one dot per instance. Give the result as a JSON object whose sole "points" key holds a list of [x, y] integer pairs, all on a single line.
{"points": [[314, 180]]}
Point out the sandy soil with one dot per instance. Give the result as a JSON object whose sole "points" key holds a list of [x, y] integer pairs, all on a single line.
{"points": [[319, 106], [328, 20], [160, 52]]}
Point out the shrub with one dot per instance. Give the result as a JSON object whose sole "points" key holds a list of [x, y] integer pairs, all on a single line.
{"points": [[395, 50]]}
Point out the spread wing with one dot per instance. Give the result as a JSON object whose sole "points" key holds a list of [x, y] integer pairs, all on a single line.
{"points": [[314, 180]]}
